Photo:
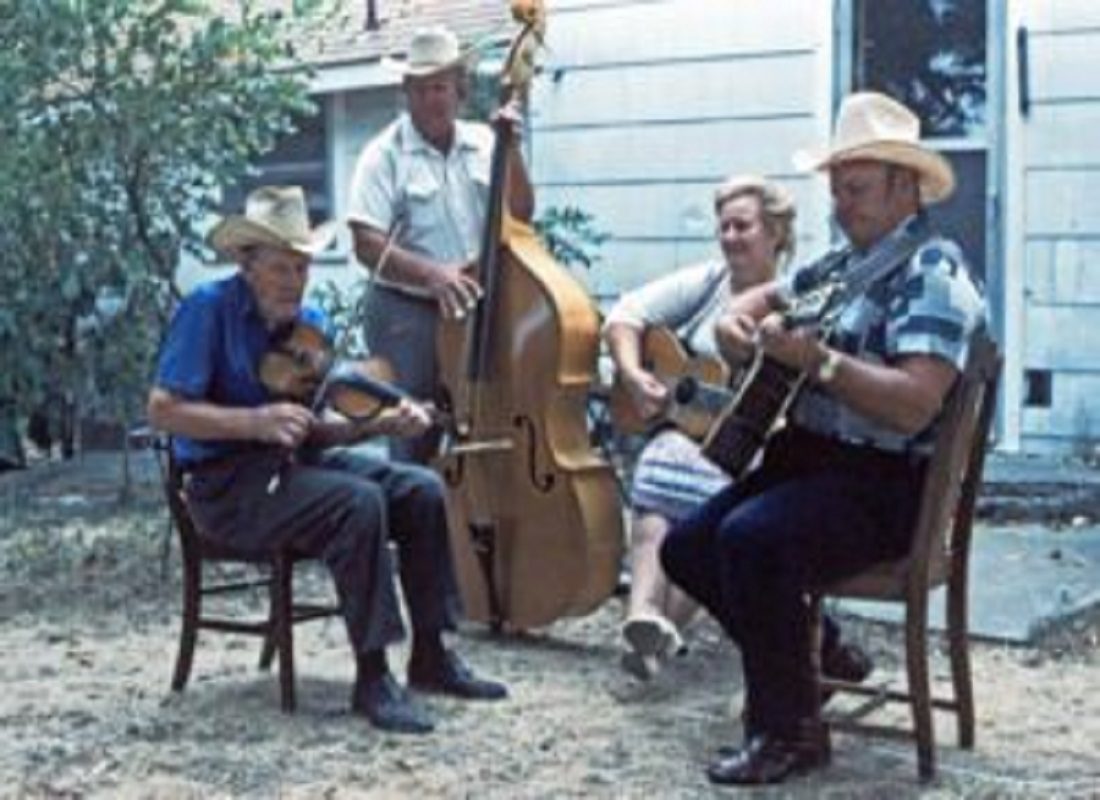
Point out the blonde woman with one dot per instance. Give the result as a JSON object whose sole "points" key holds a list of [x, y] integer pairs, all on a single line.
{"points": [[756, 233]]}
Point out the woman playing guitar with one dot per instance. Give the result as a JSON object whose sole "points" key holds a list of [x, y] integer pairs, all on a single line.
{"points": [[756, 236]]}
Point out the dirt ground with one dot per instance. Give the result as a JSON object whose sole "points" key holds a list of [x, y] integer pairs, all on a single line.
{"points": [[88, 628]]}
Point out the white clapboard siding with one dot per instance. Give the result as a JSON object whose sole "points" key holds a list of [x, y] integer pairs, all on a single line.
{"points": [[643, 107], [1061, 222], [1072, 424], [1064, 337], [1064, 272], [635, 210]]}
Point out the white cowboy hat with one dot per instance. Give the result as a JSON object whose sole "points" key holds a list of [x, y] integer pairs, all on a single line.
{"points": [[276, 216], [431, 50], [872, 126]]}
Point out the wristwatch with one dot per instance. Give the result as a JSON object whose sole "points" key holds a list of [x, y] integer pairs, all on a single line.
{"points": [[826, 369]]}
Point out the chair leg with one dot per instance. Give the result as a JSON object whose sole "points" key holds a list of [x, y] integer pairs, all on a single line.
{"points": [[958, 638], [189, 629], [815, 633], [267, 651], [916, 656], [282, 617]]}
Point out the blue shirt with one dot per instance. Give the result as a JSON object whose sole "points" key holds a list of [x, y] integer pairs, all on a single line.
{"points": [[212, 352]]}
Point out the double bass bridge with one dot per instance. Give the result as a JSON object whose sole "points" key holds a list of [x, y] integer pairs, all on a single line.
{"points": [[481, 447]]}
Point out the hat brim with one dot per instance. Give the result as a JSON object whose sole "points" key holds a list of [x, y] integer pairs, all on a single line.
{"points": [[401, 67], [234, 233], [937, 177]]}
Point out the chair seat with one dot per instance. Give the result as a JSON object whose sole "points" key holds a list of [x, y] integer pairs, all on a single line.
{"points": [[887, 580]]}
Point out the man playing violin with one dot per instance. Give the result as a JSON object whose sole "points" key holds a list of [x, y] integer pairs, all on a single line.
{"points": [[417, 209], [262, 473]]}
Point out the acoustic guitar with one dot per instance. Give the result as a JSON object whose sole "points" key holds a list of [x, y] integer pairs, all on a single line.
{"points": [[768, 389], [697, 388]]}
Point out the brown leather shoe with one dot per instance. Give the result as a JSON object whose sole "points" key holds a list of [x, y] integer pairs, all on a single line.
{"points": [[767, 758]]}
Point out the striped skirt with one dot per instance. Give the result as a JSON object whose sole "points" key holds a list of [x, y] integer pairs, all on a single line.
{"points": [[672, 478]]}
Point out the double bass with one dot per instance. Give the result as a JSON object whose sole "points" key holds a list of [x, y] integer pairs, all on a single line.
{"points": [[534, 512]]}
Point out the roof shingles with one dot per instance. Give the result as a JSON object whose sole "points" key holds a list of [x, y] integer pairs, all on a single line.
{"points": [[345, 36]]}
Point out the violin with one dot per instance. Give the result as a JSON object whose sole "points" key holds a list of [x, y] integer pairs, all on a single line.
{"points": [[301, 366]]}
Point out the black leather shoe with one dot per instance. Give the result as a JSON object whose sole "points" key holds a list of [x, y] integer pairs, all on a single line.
{"points": [[389, 707], [767, 758], [450, 676], [846, 662]]}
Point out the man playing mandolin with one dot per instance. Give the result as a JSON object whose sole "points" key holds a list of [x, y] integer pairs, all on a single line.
{"points": [[262, 473], [838, 487], [417, 210]]}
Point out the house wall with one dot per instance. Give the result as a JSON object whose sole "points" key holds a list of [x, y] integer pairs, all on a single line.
{"points": [[645, 106], [1055, 230]]}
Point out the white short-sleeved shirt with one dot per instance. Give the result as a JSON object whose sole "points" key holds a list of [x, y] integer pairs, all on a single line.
{"points": [[435, 201], [690, 301]]}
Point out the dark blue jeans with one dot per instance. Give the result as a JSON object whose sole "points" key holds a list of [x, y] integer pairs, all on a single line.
{"points": [[815, 511]]}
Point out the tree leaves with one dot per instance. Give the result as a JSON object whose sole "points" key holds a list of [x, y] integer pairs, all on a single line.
{"points": [[121, 120]]}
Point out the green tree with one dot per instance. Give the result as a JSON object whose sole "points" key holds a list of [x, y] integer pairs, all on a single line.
{"points": [[122, 118]]}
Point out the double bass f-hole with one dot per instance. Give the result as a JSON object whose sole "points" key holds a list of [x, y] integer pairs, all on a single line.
{"points": [[541, 478]]}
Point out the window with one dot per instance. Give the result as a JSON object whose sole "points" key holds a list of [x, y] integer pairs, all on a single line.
{"points": [[298, 159], [931, 55]]}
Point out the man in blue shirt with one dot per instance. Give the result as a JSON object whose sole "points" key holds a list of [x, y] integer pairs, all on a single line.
{"points": [[262, 472]]}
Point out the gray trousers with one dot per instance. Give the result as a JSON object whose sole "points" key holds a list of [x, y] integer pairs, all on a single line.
{"points": [[343, 506], [402, 329]]}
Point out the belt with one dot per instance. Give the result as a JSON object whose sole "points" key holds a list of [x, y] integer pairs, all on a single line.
{"points": [[840, 452]]}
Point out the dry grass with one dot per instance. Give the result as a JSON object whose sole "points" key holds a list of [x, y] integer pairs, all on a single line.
{"points": [[89, 632]]}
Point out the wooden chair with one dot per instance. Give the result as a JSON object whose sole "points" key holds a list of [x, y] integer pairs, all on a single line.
{"points": [[276, 630], [939, 555]]}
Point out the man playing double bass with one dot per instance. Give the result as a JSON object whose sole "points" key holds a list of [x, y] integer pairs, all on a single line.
{"points": [[417, 207], [232, 438]]}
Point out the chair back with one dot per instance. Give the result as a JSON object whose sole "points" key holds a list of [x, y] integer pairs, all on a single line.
{"points": [[941, 538]]}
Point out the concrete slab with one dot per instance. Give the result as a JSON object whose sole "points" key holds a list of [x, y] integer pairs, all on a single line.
{"points": [[1021, 469], [1023, 578]]}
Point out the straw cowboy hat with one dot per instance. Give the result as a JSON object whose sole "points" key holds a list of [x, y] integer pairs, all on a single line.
{"points": [[431, 50], [872, 126], [276, 216]]}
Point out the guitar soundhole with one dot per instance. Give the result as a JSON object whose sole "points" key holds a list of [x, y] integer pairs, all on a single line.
{"points": [[686, 389]]}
